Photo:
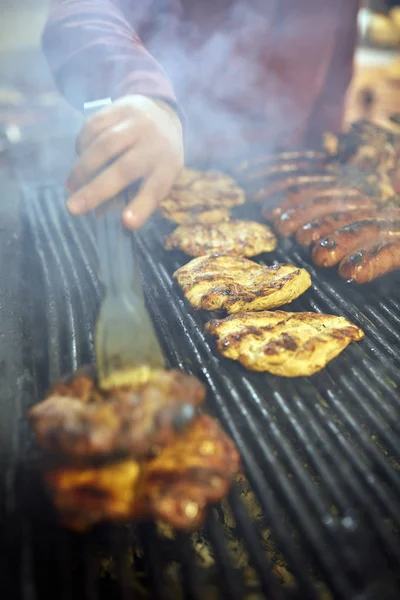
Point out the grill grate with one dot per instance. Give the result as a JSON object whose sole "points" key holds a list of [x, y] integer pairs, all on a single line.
{"points": [[320, 454]]}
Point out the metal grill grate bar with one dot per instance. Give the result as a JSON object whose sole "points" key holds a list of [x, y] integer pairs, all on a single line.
{"points": [[329, 494]]}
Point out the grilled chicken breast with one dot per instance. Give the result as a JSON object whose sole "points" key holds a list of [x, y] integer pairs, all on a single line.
{"points": [[201, 197], [237, 284], [283, 343], [234, 238]]}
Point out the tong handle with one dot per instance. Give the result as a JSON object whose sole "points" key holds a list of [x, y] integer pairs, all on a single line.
{"points": [[119, 269]]}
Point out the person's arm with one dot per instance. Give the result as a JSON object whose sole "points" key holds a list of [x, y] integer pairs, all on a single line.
{"points": [[94, 53], [329, 108]]}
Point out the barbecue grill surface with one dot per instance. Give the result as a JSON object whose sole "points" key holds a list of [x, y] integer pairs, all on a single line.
{"points": [[320, 454]]}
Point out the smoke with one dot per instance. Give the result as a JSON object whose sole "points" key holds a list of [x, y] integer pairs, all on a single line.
{"points": [[255, 72]]}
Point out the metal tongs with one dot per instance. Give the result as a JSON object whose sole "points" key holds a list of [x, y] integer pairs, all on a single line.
{"points": [[125, 338]]}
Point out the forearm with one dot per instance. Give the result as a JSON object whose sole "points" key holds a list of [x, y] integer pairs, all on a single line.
{"points": [[93, 52]]}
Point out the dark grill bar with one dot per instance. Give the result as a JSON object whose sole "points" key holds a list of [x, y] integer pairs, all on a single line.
{"points": [[321, 454]]}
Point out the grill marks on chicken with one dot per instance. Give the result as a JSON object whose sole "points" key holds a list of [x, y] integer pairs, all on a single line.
{"points": [[201, 197], [233, 238], [175, 487], [236, 284], [283, 343], [133, 452], [83, 423]]}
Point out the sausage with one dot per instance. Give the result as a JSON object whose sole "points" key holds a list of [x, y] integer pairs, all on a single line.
{"points": [[286, 156], [281, 187], [371, 262], [289, 221], [277, 171], [308, 195], [332, 249], [314, 230]]}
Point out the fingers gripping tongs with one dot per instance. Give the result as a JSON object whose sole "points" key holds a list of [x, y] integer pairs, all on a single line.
{"points": [[125, 338]]}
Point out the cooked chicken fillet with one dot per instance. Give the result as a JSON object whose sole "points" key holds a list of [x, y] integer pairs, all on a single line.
{"points": [[283, 343], [202, 197], [237, 284], [235, 238], [183, 217], [175, 487]]}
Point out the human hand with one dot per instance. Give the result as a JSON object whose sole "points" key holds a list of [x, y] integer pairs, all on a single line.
{"points": [[134, 138]]}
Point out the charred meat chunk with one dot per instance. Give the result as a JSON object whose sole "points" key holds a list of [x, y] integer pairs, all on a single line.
{"points": [[81, 422], [176, 487]]}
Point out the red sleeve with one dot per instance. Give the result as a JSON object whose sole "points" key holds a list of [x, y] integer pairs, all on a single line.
{"points": [[330, 106], [93, 53]]}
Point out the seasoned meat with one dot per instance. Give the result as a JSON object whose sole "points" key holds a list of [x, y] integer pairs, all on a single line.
{"points": [[235, 238], [306, 196], [175, 487], [283, 343], [283, 169], [188, 475], [82, 423], [201, 197], [235, 284], [288, 222], [314, 230], [330, 250], [86, 496], [273, 192], [256, 163], [371, 262]]}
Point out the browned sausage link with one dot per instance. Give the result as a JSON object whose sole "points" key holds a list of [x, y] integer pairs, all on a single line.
{"points": [[289, 221], [269, 193], [279, 171], [307, 196], [286, 156], [371, 262], [314, 230], [332, 249]]}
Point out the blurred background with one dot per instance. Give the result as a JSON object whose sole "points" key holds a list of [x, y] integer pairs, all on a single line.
{"points": [[31, 109]]}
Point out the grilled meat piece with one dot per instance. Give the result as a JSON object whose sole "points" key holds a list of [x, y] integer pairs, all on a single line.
{"points": [[81, 423], [288, 222], [329, 251], [314, 230], [371, 262], [190, 474], [198, 215], [260, 161], [86, 496], [278, 170], [236, 284], [307, 195], [175, 487], [203, 197], [272, 193], [234, 238], [283, 343]]}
